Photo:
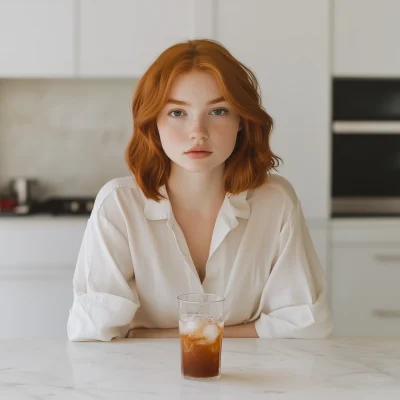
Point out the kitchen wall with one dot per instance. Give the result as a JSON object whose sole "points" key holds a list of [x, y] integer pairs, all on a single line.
{"points": [[70, 134]]}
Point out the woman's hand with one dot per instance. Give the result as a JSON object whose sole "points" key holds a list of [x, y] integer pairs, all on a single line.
{"points": [[236, 331]]}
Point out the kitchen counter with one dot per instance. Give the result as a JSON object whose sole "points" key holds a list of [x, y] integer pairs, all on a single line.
{"points": [[341, 368]]}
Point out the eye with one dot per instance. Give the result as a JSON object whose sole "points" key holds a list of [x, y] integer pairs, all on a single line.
{"points": [[176, 113], [219, 111]]}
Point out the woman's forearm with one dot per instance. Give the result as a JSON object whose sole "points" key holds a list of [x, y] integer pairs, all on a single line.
{"points": [[241, 331], [236, 331]]}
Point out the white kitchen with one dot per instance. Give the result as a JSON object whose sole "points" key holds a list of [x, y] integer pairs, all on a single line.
{"points": [[329, 73]]}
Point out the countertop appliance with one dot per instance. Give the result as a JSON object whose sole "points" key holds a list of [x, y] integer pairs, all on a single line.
{"points": [[20, 196], [67, 206], [24, 196], [56, 206]]}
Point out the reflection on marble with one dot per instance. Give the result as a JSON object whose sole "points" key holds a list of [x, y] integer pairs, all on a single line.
{"points": [[342, 368]]}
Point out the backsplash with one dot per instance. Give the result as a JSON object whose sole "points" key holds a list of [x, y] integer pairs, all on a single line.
{"points": [[69, 134]]}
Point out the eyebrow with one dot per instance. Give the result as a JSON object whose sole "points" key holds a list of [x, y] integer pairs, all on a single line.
{"points": [[184, 103]]}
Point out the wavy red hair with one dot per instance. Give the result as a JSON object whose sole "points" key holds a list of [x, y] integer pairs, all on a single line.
{"points": [[251, 159]]}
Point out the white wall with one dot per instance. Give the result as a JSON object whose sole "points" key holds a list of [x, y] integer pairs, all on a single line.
{"points": [[70, 134]]}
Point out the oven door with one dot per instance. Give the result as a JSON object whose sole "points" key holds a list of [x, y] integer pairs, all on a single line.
{"points": [[366, 169]]}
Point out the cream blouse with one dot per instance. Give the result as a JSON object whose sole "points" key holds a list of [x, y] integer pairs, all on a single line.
{"points": [[134, 261]]}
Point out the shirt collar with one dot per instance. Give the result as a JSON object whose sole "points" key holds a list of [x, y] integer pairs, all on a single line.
{"points": [[158, 210], [234, 205]]}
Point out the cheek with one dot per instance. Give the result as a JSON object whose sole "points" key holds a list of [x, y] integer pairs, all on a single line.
{"points": [[170, 135], [226, 134]]}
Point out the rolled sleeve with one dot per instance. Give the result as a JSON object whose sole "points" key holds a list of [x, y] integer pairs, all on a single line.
{"points": [[100, 316], [294, 301], [105, 296]]}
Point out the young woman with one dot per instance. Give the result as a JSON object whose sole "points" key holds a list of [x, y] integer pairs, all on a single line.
{"points": [[201, 212]]}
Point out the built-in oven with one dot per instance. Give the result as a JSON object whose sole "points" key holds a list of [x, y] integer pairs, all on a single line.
{"points": [[366, 147]]}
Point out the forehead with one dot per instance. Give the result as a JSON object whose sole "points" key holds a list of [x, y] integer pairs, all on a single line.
{"points": [[195, 84]]}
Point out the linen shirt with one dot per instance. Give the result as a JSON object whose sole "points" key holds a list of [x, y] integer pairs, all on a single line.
{"points": [[134, 261]]}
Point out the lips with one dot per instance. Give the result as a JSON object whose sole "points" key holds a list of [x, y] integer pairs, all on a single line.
{"points": [[198, 153], [198, 149]]}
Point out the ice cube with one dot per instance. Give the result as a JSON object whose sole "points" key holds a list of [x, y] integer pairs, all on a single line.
{"points": [[188, 317], [190, 326], [210, 333]]}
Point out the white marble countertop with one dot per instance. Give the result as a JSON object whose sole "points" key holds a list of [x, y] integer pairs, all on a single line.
{"points": [[347, 368]]}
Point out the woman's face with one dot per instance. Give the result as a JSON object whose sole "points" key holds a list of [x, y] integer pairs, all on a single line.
{"points": [[197, 127]]}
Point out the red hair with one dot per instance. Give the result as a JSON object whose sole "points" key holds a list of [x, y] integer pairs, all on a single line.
{"points": [[251, 158]]}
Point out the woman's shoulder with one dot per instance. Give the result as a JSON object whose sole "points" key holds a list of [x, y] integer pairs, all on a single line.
{"points": [[277, 192], [115, 193]]}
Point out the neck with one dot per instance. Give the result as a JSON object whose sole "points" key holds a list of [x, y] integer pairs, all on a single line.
{"points": [[196, 193]]}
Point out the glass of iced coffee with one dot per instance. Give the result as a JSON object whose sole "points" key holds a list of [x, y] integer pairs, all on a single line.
{"points": [[201, 327]]}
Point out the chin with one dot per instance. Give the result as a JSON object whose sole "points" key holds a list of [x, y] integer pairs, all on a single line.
{"points": [[197, 167]]}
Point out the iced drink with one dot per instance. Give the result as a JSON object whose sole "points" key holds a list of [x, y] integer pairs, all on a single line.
{"points": [[201, 330]]}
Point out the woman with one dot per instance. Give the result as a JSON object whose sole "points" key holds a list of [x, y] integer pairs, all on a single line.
{"points": [[200, 213]]}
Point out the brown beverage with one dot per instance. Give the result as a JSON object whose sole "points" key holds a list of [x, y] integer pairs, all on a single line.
{"points": [[201, 345]]}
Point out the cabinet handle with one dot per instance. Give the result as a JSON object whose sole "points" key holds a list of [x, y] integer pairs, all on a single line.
{"points": [[385, 313], [387, 257]]}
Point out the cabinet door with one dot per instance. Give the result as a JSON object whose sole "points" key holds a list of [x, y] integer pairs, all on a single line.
{"points": [[286, 44], [36, 38], [365, 291], [37, 261], [35, 303], [122, 38], [366, 38]]}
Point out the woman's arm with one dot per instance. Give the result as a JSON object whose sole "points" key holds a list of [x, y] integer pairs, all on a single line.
{"points": [[105, 297], [294, 300], [241, 331], [237, 331]]}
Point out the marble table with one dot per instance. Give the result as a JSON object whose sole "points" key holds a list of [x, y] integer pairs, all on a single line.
{"points": [[347, 368]]}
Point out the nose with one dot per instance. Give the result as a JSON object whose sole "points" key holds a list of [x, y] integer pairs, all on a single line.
{"points": [[199, 130]]}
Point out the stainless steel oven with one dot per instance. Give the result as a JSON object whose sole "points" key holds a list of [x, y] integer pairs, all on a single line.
{"points": [[366, 147]]}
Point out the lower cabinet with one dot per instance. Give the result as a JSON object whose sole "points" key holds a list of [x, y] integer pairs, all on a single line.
{"points": [[37, 262], [35, 303], [365, 279], [366, 295]]}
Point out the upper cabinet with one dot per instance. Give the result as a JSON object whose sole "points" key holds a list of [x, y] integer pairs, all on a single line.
{"points": [[94, 38], [123, 37], [36, 38], [366, 38], [286, 44]]}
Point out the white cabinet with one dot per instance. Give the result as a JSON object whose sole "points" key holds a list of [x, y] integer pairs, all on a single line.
{"points": [[366, 299], [94, 38], [286, 44], [36, 38], [35, 303], [123, 37], [366, 38], [37, 262], [365, 278]]}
